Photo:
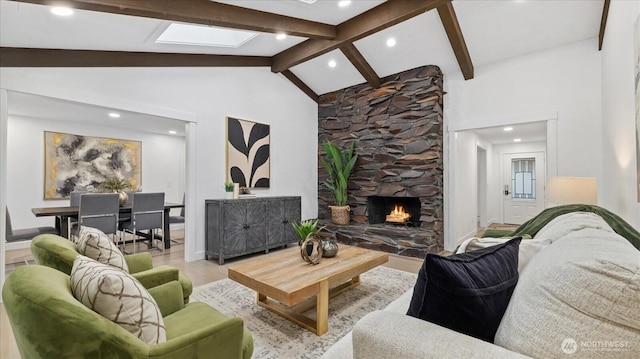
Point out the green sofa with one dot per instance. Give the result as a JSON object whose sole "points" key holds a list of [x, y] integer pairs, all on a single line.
{"points": [[58, 252], [48, 322]]}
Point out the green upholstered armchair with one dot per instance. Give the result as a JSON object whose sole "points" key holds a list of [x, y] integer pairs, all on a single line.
{"points": [[57, 252], [48, 322]]}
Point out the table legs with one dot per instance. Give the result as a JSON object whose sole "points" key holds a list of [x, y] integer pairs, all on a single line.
{"points": [[320, 325], [166, 231], [62, 225]]}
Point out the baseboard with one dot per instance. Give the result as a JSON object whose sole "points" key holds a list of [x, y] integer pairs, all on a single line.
{"points": [[196, 257], [493, 221], [11, 246], [174, 226]]}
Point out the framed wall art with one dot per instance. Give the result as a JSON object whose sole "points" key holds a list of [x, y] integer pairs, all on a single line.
{"points": [[78, 163], [248, 153]]}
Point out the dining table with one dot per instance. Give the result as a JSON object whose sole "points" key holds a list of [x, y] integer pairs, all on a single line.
{"points": [[64, 213]]}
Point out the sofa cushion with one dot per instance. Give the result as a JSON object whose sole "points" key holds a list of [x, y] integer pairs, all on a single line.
{"points": [[94, 244], [118, 297], [579, 295], [467, 292]]}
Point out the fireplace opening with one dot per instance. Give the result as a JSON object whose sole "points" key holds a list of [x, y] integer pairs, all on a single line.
{"points": [[393, 210]]}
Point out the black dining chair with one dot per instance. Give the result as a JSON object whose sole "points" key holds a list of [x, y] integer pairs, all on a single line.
{"points": [[147, 214], [24, 234]]}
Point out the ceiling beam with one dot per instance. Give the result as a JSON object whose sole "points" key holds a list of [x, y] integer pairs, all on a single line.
{"points": [[28, 57], [301, 85], [454, 33], [603, 23], [379, 18], [356, 58], [203, 12]]}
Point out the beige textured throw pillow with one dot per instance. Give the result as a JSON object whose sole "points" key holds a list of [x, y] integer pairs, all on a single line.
{"points": [[118, 297], [94, 244]]}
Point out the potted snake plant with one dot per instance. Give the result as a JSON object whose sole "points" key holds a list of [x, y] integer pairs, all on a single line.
{"points": [[338, 164]]}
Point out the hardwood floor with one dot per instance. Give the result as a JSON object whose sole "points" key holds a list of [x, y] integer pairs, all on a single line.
{"points": [[200, 272]]}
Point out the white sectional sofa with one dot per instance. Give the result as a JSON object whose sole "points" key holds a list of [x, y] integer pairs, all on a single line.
{"points": [[578, 295]]}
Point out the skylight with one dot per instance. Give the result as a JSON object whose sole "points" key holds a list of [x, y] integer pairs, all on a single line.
{"points": [[199, 35]]}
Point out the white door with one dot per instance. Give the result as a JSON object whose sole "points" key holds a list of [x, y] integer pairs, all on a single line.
{"points": [[522, 186]]}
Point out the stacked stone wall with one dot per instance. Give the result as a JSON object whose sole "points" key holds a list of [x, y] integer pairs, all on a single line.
{"points": [[397, 130]]}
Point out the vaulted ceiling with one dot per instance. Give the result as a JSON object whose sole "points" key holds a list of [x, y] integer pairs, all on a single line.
{"points": [[456, 35]]}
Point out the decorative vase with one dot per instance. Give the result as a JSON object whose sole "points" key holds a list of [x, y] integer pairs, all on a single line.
{"points": [[230, 195], [236, 190], [340, 214], [329, 248], [122, 197]]}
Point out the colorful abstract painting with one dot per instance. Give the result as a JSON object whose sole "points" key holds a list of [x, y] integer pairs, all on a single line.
{"points": [[248, 153], [81, 163]]}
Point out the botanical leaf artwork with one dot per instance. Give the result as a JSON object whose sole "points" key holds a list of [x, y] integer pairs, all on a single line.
{"points": [[80, 163], [248, 158]]}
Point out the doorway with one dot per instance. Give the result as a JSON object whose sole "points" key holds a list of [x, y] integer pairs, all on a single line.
{"points": [[523, 178]]}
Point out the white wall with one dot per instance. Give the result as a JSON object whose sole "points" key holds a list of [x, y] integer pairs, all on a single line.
{"points": [[162, 164], [618, 190], [465, 183], [208, 95], [562, 83]]}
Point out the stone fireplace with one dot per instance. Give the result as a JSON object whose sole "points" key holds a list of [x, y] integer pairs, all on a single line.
{"points": [[397, 133]]}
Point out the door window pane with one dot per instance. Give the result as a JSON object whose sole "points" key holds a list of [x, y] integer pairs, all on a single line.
{"points": [[523, 178]]}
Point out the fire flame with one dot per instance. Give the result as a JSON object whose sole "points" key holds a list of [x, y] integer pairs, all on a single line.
{"points": [[398, 214]]}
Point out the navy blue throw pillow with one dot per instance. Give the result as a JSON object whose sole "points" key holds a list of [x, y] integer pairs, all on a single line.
{"points": [[467, 292]]}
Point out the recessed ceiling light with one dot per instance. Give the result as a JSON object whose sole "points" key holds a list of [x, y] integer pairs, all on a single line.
{"points": [[199, 35], [172, 132], [332, 63], [309, 1], [391, 42], [281, 36], [343, 3], [517, 140], [62, 11], [507, 129], [114, 115]]}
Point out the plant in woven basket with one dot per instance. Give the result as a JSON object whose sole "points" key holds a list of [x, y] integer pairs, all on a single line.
{"points": [[338, 164]]}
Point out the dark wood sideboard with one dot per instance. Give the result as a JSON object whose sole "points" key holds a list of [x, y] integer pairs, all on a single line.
{"points": [[236, 227]]}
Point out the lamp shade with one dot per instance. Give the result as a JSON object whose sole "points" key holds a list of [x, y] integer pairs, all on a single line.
{"points": [[572, 190]]}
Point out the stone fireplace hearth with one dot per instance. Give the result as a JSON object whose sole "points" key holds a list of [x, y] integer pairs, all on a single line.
{"points": [[397, 132]]}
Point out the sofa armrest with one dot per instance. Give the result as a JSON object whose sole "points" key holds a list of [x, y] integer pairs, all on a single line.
{"points": [[156, 276], [168, 296], [383, 334], [139, 262]]}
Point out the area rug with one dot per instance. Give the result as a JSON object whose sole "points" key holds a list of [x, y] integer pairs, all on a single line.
{"points": [[276, 338]]}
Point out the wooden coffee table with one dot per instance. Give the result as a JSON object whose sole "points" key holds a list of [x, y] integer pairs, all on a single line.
{"points": [[289, 286]]}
